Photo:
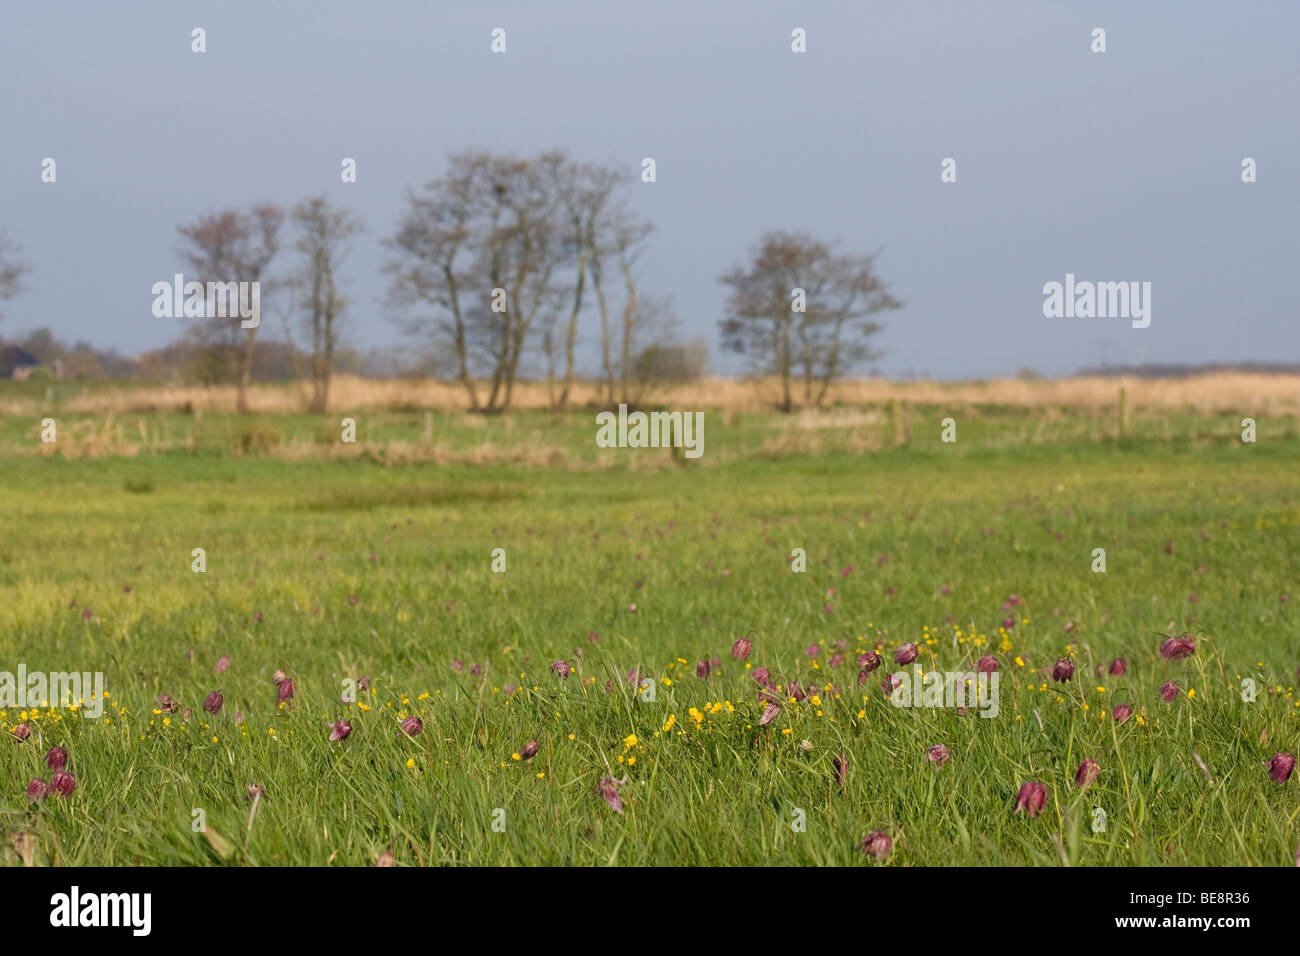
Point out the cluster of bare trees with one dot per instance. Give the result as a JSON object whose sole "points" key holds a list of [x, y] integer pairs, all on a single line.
{"points": [[503, 254], [240, 246], [802, 312], [491, 270]]}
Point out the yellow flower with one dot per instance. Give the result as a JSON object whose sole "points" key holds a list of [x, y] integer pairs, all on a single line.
{"points": [[630, 740], [410, 763], [668, 724]]}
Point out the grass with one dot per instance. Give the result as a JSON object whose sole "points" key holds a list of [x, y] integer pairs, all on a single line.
{"points": [[335, 569]]}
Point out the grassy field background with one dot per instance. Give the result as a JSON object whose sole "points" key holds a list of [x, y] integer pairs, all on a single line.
{"points": [[333, 562]]}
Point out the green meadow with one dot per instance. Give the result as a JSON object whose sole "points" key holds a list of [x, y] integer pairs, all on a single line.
{"points": [[377, 563]]}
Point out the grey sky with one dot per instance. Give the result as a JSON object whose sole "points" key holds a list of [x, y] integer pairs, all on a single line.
{"points": [[1115, 166]]}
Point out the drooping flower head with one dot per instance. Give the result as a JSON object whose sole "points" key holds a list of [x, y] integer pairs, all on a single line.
{"points": [[877, 843], [1032, 796], [1176, 648], [1087, 773]]}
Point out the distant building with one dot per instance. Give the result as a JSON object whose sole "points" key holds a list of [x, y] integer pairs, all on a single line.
{"points": [[16, 363]]}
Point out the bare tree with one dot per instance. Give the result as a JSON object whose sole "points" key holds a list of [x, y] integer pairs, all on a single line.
{"points": [[11, 269], [233, 246], [430, 260], [621, 236], [800, 309], [323, 242]]}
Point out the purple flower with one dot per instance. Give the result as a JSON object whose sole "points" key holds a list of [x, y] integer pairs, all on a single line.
{"points": [[63, 783], [1176, 648], [37, 790], [988, 664], [412, 726], [1032, 796], [770, 713], [836, 660], [1008, 623], [1063, 670], [1280, 767], [529, 750], [607, 790], [763, 676], [340, 730], [222, 664], [1169, 690], [21, 732], [1122, 712], [1118, 666], [1086, 774], [906, 653], [939, 755], [702, 670], [56, 758], [741, 648], [877, 843], [212, 703], [869, 662], [812, 650], [841, 766], [561, 668]]}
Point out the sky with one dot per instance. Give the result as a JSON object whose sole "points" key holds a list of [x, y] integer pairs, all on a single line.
{"points": [[1117, 166]]}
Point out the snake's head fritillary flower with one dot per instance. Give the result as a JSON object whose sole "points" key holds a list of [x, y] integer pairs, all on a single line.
{"points": [[891, 684], [869, 661], [21, 732], [529, 750], [222, 664], [284, 691], [457, 666], [988, 664], [1118, 666], [167, 705], [212, 703], [812, 650], [763, 676], [841, 767], [561, 668], [1087, 773], [1169, 690], [740, 650], [385, 859], [1176, 648], [37, 790], [1280, 767], [340, 730], [702, 670], [939, 755], [607, 790], [906, 653], [56, 758], [1008, 623], [412, 726], [1032, 796], [877, 843], [1063, 670], [770, 713], [63, 783], [1122, 712]]}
